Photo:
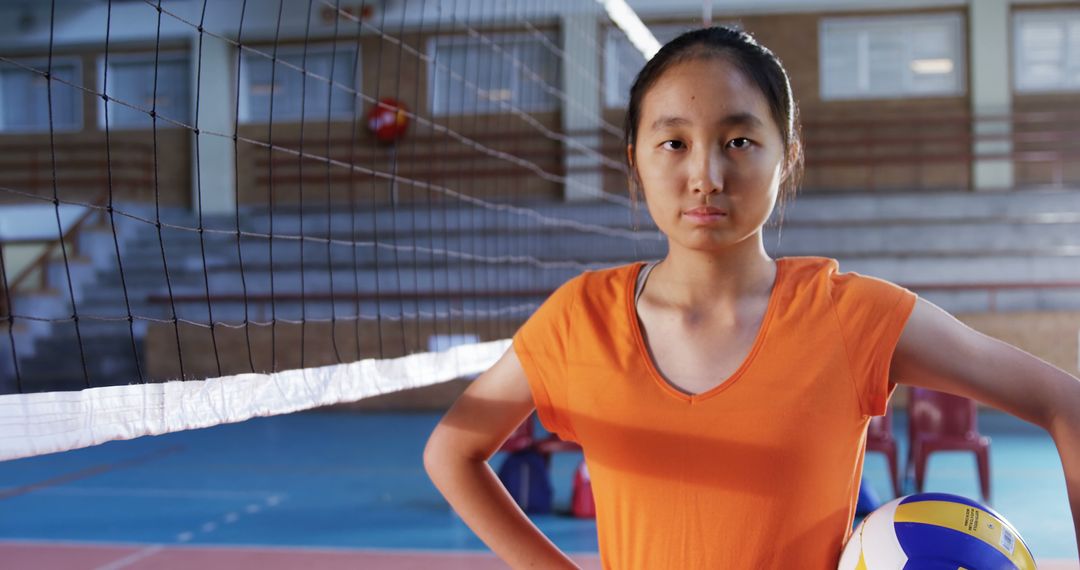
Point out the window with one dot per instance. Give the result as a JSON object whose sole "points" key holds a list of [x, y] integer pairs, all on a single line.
{"points": [[294, 98], [1047, 53], [467, 75], [892, 57], [623, 61], [24, 104], [134, 79]]}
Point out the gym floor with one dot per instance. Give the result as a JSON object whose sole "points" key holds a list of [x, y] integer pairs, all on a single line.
{"points": [[329, 490]]}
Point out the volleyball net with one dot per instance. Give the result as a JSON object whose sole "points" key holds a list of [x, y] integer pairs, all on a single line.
{"points": [[221, 210]]}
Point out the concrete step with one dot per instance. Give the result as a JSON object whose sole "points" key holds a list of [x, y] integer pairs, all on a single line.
{"points": [[885, 239], [807, 208]]}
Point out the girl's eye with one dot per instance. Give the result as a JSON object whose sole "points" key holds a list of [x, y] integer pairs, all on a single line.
{"points": [[739, 143], [673, 145]]}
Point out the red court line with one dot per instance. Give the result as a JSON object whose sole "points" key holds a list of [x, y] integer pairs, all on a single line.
{"points": [[45, 556], [154, 557], [89, 472]]}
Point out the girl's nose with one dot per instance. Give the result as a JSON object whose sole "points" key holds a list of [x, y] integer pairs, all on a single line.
{"points": [[707, 176]]}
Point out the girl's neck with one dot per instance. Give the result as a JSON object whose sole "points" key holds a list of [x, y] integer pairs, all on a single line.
{"points": [[696, 279]]}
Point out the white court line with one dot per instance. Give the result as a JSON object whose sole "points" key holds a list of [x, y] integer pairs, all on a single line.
{"points": [[229, 518]]}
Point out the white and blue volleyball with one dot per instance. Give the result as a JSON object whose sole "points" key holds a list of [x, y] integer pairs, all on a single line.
{"points": [[935, 531]]}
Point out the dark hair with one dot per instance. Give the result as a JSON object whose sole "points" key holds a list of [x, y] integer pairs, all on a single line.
{"points": [[756, 61]]}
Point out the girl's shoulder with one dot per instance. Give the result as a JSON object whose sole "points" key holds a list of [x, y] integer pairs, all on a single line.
{"points": [[824, 274], [810, 266], [824, 269], [603, 285], [596, 285]]}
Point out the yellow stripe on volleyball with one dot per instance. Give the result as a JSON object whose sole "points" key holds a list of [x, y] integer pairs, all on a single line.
{"points": [[969, 520], [862, 555], [862, 562]]}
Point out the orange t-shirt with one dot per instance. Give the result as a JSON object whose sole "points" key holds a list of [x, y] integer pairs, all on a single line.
{"points": [[760, 472]]}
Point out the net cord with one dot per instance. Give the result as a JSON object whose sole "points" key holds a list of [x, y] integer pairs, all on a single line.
{"points": [[9, 303], [56, 197], [394, 197], [507, 189], [418, 328], [300, 184], [445, 210], [329, 205], [353, 202], [430, 202], [374, 205], [236, 184], [198, 192], [465, 166], [270, 191], [425, 314], [157, 192], [109, 209]]}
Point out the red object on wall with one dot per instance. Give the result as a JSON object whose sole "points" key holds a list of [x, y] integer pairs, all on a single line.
{"points": [[388, 120]]}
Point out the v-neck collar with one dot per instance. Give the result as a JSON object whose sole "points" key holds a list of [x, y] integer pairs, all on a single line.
{"points": [[654, 371]]}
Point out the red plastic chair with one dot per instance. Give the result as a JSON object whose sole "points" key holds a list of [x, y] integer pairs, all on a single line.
{"points": [[525, 436], [582, 505], [944, 422], [879, 438], [522, 437]]}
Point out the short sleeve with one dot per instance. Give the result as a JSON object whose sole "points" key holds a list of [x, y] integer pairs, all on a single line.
{"points": [[542, 345], [872, 314]]}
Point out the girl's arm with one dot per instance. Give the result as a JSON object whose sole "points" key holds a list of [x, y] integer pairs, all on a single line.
{"points": [[456, 456], [937, 351]]}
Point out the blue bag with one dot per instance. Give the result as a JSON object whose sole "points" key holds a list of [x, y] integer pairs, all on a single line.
{"points": [[524, 474]]}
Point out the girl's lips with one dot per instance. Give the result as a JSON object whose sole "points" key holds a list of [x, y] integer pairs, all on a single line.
{"points": [[706, 210], [705, 214]]}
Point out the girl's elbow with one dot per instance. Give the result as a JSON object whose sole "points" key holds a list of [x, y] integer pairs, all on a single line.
{"points": [[1063, 415], [434, 455], [441, 454]]}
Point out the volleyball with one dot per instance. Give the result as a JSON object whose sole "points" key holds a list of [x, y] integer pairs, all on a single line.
{"points": [[388, 120], [935, 531]]}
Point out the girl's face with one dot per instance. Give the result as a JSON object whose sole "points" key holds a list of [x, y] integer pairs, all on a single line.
{"points": [[708, 154]]}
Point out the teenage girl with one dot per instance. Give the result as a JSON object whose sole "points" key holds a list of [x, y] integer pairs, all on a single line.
{"points": [[721, 397]]}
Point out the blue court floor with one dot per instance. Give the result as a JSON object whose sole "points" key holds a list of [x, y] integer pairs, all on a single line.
{"points": [[334, 480]]}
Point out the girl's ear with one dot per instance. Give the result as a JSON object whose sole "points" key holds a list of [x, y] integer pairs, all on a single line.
{"points": [[630, 155]]}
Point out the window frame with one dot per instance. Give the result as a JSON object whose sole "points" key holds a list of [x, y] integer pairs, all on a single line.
{"points": [[433, 43], [615, 97], [170, 55], [1018, 18], [41, 63], [955, 20], [322, 48]]}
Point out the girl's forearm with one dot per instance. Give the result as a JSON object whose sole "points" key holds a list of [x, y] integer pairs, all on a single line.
{"points": [[475, 492], [1066, 433]]}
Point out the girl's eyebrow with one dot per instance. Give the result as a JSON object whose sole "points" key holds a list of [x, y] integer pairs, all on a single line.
{"points": [[667, 121], [736, 119]]}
